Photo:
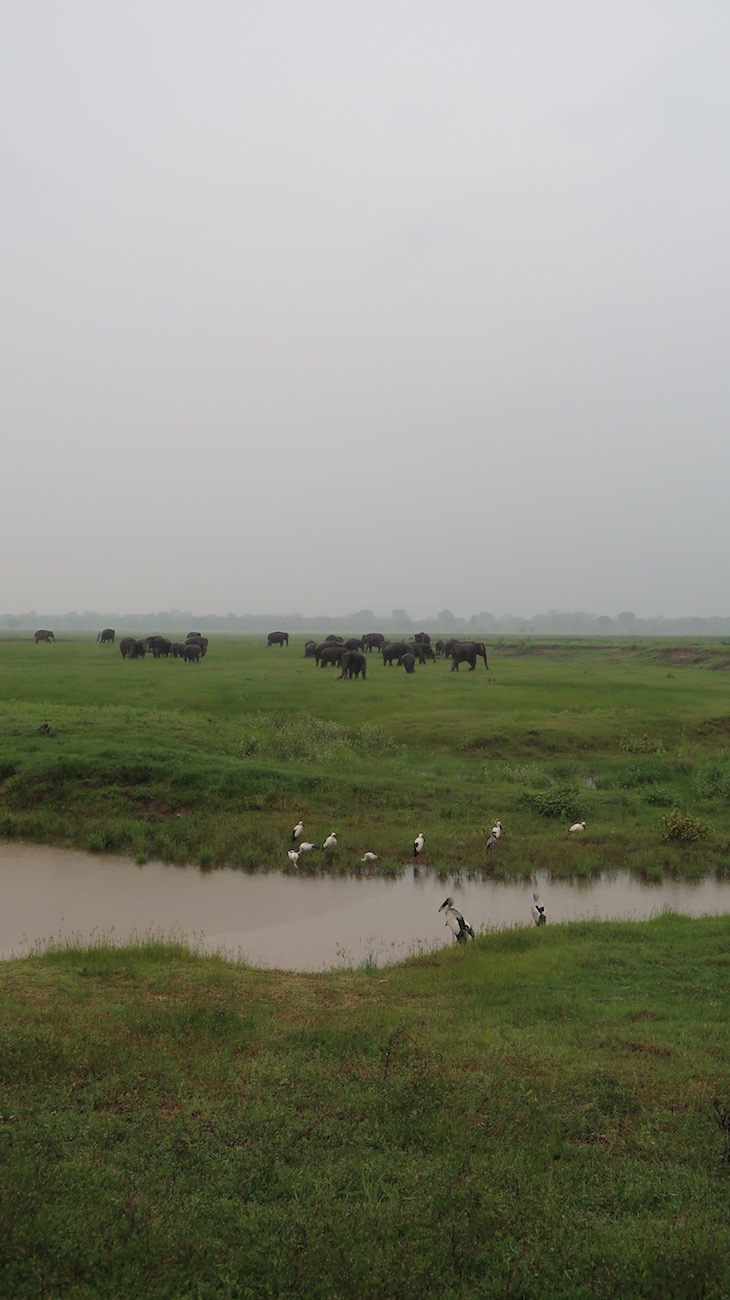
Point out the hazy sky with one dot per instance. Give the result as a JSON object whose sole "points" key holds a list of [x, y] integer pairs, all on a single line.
{"points": [[315, 306]]}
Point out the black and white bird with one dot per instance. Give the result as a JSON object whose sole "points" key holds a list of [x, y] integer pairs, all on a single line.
{"points": [[330, 842], [369, 857], [306, 847], [293, 857], [493, 836], [455, 921], [418, 844], [576, 828], [538, 910], [297, 831]]}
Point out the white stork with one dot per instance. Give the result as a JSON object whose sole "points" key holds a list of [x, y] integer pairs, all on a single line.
{"points": [[330, 842], [293, 857], [538, 910], [369, 857], [306, 847], [455, 921], [576, 828], [418, 844], [297, 831]]}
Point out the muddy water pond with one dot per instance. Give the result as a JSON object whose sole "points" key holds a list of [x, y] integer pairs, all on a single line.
{"points": [[293, 922]]}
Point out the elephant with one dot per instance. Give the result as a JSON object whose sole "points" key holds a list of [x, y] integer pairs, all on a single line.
{"points": [[373, 640], [130, 648], [330, 654], [408, 661], [353, 662], [197, 639], [467, 652], [337, 640], [176, 649], [354, 643], [162, 647], [43, 634], [422, 650], [277, 638], [192, 652], [422, 636], [393, 650], [310, 649], [107, 636]]}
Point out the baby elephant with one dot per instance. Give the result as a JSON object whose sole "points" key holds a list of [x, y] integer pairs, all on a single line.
{"points": [[408, 661]]}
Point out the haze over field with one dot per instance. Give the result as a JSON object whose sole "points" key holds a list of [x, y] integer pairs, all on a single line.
{"points": [[327, 307]]}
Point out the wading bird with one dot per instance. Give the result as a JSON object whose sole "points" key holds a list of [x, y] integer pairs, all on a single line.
{"points": [[576, 828], [293, 857], [493, 836], [369, 857], [418, 844], [330, 842], [455, 921], [538, 910], [297, 831], [306, 847]]}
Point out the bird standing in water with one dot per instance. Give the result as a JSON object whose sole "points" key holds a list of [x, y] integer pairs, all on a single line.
{"points": [[538, 910], [418, 844]]}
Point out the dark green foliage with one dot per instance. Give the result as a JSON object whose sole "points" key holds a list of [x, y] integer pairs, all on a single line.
{"points": [[560, 804]]}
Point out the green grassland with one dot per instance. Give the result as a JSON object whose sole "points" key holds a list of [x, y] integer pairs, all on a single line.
{"points": [[545, 1113], [213, 763]]}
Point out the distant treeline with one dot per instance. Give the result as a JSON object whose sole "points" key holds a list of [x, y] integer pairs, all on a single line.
{"points": [[364, 620]]}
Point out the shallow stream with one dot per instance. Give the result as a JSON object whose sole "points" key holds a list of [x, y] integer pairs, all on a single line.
{"points": [[292, 922]]}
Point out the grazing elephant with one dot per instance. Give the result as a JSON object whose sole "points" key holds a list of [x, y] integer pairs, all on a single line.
{"points": [[43, 634], [107, 636], [197, 639], [467, 652], [162, 647], [373, 640], [392, 650], [422, 651], [277, 638], [176, 649], [408, 661], [130, 648], [310, 649], [191, 652], [330, 654], [353, 662], [354, 643]]}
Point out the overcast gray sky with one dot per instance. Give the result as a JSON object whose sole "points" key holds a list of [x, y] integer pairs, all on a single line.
{"points": [[315, 306]]}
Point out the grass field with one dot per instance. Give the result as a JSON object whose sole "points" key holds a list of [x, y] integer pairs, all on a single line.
{"points": [[545, 1113], [214, 763]]}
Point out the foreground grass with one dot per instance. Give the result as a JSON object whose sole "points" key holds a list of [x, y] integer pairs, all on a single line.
{"points": [[214, 763], [543, 1113]]}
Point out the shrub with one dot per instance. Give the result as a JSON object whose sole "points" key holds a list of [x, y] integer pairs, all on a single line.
{"points": [[561, 803], [645, 744], [680, 826]]}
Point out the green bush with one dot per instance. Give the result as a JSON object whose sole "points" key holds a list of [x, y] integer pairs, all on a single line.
{"points": [[680, 826], [562, 803]]}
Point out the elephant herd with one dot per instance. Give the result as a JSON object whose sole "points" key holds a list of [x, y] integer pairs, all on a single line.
{"points": [[350, 655], [191, 650]]}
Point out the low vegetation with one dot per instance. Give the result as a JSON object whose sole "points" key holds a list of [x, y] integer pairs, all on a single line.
{"points": [[213, 763], [543, 1113]]}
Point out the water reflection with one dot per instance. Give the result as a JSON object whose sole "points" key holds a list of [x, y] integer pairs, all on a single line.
{"points": [[295, 922]]}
